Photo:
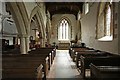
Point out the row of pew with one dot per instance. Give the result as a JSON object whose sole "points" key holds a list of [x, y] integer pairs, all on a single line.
{"points": [[102, 65], [34, 65]]}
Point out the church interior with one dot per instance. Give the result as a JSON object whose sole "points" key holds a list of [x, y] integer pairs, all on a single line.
{"points": [[43, 40]]}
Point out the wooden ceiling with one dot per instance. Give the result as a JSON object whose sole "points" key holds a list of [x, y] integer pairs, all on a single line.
{"points": [[64, 7]]}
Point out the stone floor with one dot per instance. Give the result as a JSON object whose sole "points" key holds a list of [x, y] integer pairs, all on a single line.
{"points": [[63, 67]]}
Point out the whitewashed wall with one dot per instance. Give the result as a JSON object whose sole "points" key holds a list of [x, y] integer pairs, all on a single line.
{"points": [[55, 21], [88, 25], [119, 27], [9, 29], [29, 7]]}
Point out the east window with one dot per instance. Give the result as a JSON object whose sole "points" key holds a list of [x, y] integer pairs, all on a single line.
{"points": [[63, 30]]}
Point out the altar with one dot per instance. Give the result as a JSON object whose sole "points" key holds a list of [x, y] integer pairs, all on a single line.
{"points": [[63, 45]]}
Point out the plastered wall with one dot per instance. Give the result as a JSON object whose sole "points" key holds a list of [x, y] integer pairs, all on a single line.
{"points": [[88, 26], [56, 19]]}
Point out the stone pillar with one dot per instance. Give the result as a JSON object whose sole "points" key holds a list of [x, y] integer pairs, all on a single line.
{"points": [[43, 43], [27, 44], [22, 45]]}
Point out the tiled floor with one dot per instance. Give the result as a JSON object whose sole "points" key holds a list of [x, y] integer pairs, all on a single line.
{"points": [[63, 67]]}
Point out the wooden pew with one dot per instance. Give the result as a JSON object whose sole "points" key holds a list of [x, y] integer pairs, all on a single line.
{"points": [[21, 69], [38, 56], [104, 72], [40, 72], [88, 53], [50, 49], [51, 52], [73, 50], [22, 62], [12, 51], [109, 60], [28, 73]]}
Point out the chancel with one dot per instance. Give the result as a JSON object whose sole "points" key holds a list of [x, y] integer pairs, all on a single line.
{"points": [[44, 40]]}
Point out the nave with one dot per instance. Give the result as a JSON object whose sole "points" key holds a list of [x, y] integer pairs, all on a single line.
{"points": [[63, 66], [30, 33], [81, 63]]}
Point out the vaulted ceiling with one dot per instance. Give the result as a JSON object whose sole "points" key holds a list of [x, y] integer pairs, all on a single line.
{"points": [[64, 7]]}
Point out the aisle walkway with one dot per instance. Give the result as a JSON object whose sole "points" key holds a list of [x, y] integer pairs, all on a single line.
{"points": [[63, 66]]}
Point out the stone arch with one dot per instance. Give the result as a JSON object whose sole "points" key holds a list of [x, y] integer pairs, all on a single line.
{"points": [[17, 17], [33, 12], [42, 24], [20, 17], [64, 17], [36, 12]]}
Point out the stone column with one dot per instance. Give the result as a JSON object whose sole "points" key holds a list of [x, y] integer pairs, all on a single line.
{"points": [[43, 43], [27, 44], [22, 45]]}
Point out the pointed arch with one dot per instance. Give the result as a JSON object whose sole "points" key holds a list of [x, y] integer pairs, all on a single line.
{"points": [[21, 19], [64, 28], [41, 26], [24, 14], [36, 12], [64, 17], [17, 16], [33, 12]]}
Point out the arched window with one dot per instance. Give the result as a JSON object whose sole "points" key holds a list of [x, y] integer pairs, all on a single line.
{"points": [[108, 20], [63, 30], [104, 22]]}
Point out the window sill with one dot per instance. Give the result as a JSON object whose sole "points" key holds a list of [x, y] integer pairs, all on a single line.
{"points": [[106, 38], [63, 39]]}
